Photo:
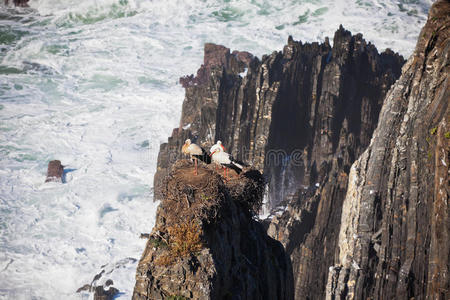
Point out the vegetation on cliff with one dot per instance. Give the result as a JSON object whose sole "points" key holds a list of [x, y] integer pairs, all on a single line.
{"points": [[374, 228], [301, 117], [206, 244]]}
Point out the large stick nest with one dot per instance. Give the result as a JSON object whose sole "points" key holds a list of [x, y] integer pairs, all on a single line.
{"points": [[187, 196], [248, 190]]}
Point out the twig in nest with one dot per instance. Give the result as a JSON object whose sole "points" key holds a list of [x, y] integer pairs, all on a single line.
{"points": [[165, 241], [187, 200]]}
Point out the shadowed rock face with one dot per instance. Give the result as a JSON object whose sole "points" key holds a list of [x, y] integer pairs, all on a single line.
{"points": [[394, 233], [302, 117], [237, 259], [291, 113]]}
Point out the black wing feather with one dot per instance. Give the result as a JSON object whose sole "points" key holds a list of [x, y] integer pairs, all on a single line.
{"points": [[204, 157]]}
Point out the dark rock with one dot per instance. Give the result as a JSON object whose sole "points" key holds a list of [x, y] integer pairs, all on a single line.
{"points": [[144, 235], [236, 259], [109, 282], [291, 113], [101, 294], [97, 277], [20, 3], [85, 288], [394, 239], [217, 56], [302, 117], [55, 171]]}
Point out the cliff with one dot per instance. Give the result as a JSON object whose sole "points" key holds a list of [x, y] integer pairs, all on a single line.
{"points": [[290, 114], [205, 243], [394, 233], [302, 117]]}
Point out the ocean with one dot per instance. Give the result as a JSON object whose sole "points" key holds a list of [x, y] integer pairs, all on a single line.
{"points": [[94, 83]]}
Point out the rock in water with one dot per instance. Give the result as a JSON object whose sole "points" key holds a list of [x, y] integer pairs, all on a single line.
{"points": [[101, 294], [21, 3], [206, 244], [55, 171], [394, 239]]}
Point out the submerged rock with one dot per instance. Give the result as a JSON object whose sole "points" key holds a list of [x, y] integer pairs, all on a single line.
{"points": [[206, 245]]}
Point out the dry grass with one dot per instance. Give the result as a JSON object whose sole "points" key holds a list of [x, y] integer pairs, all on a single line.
{"points": [[184, 240]]}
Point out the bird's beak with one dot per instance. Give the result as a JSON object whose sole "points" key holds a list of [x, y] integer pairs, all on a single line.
{"points": [[212, 153]]}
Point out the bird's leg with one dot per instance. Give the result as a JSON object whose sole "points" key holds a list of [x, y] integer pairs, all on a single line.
{"points": [[196, 163]]}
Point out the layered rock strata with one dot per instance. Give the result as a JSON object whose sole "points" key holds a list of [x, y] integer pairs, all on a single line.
{"points": [[302, 117], [394, 233], [291, 113]]}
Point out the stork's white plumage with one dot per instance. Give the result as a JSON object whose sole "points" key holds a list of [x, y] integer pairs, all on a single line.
{"points": [[191, 148], [215, 148], [219, 156], [195, 151]]}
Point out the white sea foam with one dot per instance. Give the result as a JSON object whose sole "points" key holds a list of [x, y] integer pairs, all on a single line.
{"points": [[94, 84]]}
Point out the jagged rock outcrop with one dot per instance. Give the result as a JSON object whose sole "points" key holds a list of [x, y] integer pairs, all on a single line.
{"points": [[101, 287], [206, 245], [394, 234], [302, 117], [287, 113]]}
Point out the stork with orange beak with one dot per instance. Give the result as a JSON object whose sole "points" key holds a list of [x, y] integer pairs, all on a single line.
{"points": [[217, 147], [196, 152], [219, 156]]}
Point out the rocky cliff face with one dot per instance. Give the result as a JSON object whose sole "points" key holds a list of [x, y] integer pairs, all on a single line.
{"points": [[394, 233], [205, 244], [290, 114], [302, 117]]}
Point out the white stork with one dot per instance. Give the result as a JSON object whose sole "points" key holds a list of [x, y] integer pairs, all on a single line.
{"points": [[219, 156], [217, 147], [196, 152]]}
